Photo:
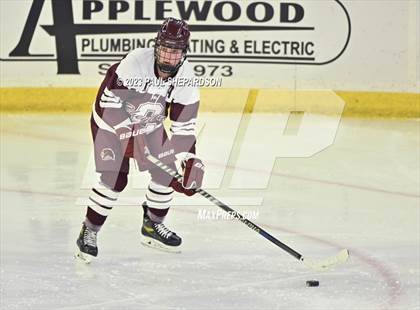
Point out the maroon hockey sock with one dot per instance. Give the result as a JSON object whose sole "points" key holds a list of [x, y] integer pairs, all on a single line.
{"points": [[157, 215], [94, 220]]}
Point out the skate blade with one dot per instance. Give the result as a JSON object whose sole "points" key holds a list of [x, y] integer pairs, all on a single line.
{"points": [[152, 243], [83, 257]]}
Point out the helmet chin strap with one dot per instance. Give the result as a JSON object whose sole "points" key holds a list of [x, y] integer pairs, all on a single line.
{"points": [[170, 69], [166, 68]]}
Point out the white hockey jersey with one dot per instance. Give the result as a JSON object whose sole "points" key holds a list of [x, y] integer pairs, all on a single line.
{"points": [[133, 101]]}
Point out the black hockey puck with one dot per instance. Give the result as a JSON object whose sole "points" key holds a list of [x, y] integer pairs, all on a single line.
{"points": [[312, 283]]}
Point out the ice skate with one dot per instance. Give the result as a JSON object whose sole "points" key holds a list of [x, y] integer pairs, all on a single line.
{"points": [[87, 245], [158, 236]]}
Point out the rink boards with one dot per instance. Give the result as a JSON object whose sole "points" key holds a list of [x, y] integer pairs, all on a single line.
{"points": [[357, 104]]}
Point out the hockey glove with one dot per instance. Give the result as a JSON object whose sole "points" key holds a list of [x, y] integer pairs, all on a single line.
{"points": [[192, 179]]}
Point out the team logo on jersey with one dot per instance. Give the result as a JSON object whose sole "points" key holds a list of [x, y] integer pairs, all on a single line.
{"points": [[107, 154], [145, 113]]}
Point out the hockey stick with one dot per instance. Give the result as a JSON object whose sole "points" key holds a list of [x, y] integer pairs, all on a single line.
{"points": [[320, 265]]}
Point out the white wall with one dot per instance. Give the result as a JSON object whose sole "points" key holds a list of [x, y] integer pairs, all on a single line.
{"points": [[382, 52]]}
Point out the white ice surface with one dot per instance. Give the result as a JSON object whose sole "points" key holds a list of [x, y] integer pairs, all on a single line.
{"points": [[361, 193]]}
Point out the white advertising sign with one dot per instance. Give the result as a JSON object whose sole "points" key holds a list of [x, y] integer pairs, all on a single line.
{"points": [[273, 43]]}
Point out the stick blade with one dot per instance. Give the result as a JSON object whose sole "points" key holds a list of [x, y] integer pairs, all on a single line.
{"points": [[328, 263]]}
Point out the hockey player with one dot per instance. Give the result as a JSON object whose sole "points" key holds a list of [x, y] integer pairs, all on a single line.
{"points": [[126, 122]]}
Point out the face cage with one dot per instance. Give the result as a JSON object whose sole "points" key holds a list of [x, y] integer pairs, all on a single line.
{"points": [[167, 68]]}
